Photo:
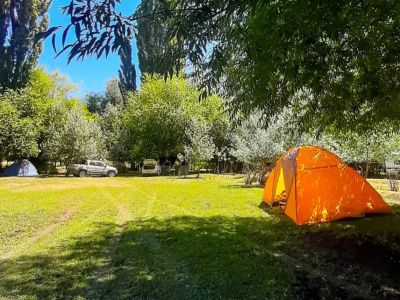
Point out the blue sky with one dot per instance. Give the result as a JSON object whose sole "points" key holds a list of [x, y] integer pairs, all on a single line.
{"points": [[91, 74]]}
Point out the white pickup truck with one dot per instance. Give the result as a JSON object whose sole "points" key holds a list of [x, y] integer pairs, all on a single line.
{"points": [[91, 168]]}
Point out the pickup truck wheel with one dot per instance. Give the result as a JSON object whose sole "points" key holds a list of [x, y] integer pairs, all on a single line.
{"points": [[111, 174], [82, 173]]}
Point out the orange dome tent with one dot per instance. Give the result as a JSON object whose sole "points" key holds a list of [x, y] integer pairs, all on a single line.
{"points": [[318, 187]]}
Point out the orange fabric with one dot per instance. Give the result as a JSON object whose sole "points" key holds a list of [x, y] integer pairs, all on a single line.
{"points": [[268, 196], [274, 186], [289, 162], [321, 188]]}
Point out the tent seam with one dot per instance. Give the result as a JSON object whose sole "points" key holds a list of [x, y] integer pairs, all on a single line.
{"points": [[295, 184], [324, 167]]}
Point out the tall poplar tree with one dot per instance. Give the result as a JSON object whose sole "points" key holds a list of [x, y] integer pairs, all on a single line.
{"points": [[151, 38], [20, 22], [127, 70]]}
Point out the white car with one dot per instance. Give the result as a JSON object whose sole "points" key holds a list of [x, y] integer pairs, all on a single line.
{"points": [[150, 167]]}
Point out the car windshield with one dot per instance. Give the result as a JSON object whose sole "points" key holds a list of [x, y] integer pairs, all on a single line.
{"points": [[149, 167]]}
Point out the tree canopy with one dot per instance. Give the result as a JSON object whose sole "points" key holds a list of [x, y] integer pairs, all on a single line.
{"points": [[156, 120], [41, 121], [18, 134], [334, 62], [160, 118], [72, 135]]}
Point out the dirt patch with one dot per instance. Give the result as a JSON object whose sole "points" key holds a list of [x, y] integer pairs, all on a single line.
{"points": [[122, 220], [64, 217], [105, 269], [351, 267]]}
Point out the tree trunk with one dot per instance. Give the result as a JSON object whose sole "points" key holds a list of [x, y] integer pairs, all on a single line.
{"points": [[250, 176], [133, 166], [247, 178], [366, 169], [366, 163]]}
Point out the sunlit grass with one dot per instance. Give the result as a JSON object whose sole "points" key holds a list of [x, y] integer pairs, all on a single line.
{"points": [[156, 237]]}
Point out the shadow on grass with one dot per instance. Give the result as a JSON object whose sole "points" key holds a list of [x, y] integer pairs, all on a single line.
{"points": [[177, 258], [189, 177], [62, 272], [186, 258], [242, 186]]}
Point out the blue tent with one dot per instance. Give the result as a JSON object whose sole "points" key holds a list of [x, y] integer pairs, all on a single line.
{"points": [[21, 167]]}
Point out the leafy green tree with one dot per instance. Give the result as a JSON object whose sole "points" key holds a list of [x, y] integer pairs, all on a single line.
{"points": [[156, 117], [160, 114], [41, 122], [319, 57], [53, 140], [32, 116], [20, 22], [83, 138], [216, 117], [114, 94], [73, 135], [35, 99], [202, 148], [95, 102], [45, 90], [336, 62], [49, 87], [22, 116], [375, 145], [254, 145], [18, 134], [115, 133]]}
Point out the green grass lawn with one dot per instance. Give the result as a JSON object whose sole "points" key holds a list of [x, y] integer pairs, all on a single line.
{"points": [[169, 238]]}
